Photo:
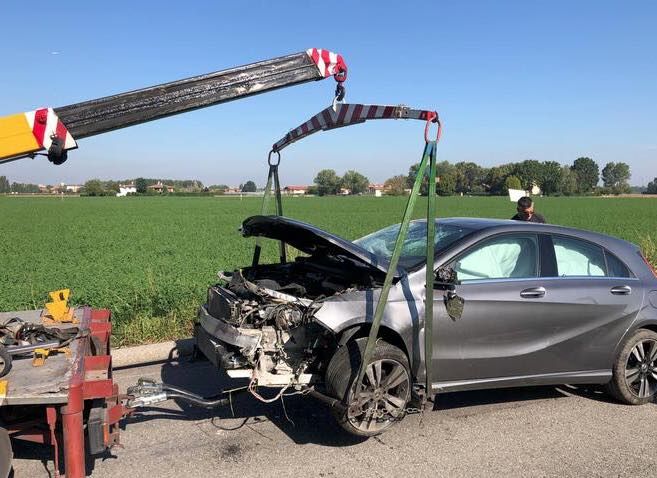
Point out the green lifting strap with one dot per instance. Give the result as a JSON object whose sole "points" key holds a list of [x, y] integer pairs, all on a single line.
{"points": [[431, 249], [272, 179], [428, 159]]}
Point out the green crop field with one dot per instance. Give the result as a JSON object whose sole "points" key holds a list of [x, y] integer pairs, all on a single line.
{"points": [[150, 260]]}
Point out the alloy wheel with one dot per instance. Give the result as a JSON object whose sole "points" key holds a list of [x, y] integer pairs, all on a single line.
{"points": [[381, 398], [641, 368]]}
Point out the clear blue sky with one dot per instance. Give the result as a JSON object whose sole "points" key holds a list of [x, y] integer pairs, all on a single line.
{"points": [[549, 80]]}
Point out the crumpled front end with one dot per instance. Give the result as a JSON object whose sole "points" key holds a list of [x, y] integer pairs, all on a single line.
{"points": [[261, 333]]}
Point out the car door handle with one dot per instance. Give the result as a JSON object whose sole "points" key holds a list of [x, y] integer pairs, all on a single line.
{"points": [[533, 293], [621, 290]]}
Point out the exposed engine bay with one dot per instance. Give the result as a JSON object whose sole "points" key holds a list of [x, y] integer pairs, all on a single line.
{"points": [[271, 336]]}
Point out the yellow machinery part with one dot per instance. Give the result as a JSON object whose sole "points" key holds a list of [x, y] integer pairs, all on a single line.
{"points": [[40, 355], [16, 136], [58, 310]]}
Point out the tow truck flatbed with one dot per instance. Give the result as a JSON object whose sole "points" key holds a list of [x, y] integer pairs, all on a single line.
{"points": [[71, 395], [48, 384]]}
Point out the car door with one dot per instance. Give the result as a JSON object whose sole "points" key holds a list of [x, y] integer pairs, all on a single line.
{"points": [[594, 298], [564, 317], [505, 321]]}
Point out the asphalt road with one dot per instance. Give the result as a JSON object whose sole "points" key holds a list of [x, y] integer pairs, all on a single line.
{"points": [[546, 431]]}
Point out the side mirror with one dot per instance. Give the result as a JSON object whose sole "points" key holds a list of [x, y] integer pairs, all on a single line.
{"points": [[445, 278]]}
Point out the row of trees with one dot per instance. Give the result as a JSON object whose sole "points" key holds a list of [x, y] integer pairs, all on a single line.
{"points": [[328, 182], [97, 187], [6, 187], [582, 177], [652, 187]]}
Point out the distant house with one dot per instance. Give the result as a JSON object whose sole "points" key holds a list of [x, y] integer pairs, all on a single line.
{"points": [[232, 190], [159, 187], [73, 188], [376, 189], [295, 190], [125, 189]]}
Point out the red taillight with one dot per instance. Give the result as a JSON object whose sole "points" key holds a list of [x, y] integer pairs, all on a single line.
{"points": [[652, 268]]}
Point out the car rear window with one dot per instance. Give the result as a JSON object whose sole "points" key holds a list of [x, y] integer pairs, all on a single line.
{"points": [[579, 258], [615, 268], [576, 258]]}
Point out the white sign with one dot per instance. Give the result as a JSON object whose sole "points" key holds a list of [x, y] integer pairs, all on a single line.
{"points": [[515, 194]]}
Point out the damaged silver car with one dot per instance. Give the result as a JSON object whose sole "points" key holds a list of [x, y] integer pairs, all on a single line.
{"points": [[515, 304]]}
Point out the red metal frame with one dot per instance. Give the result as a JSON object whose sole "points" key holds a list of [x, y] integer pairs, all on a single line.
{"points": [[91, 380]]}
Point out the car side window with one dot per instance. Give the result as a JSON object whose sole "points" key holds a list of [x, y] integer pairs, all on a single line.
{"points": [[578, 258], [512, 256], [615, 268]]}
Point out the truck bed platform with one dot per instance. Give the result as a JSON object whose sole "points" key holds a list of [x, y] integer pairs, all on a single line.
{"points": [[48, 384], [70, 395]]}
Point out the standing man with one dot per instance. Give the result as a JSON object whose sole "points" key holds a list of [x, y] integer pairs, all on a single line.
{"points": [[526, 211]]}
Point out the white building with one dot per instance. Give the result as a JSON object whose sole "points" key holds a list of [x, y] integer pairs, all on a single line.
{"points": [[125, 190], [295, 190]]}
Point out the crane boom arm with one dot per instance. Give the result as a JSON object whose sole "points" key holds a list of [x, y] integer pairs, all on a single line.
{"points": [[57, 129]]}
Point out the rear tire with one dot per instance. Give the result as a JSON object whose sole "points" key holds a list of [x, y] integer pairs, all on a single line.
{"points": [[634, 378], [386, 387]]}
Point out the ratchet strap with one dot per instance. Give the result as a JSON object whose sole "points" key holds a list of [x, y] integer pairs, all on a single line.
{"points": [[272, 180], [427, 164]]}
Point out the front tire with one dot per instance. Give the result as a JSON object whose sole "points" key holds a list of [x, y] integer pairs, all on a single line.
{"points": [[385, 392], [634, 379]]}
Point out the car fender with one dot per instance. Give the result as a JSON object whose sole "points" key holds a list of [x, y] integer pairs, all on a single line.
{"points": [[640, 322]]}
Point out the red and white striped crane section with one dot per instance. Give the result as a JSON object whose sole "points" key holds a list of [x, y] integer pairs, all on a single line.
{"points": [[347, 114]]}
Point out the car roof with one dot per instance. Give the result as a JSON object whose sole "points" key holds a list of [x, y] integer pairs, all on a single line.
{"points": [[490, 225]]}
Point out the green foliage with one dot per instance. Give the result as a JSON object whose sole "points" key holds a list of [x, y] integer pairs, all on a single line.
{"points": [[469, 177], [512, 182], [327, 182], [94, 187], [5, 187], [616, 176], [141, 185], [530, 172], [446, 178], [649, 249], [569, 185], [151, 259], [396, 185], [550, 177], [24, 188], [652, 187], [410, 179], [355, 182], [249, 187], [496, 179], [587, 174]]}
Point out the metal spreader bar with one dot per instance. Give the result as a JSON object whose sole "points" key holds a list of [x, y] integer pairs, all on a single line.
{"points": [[349, 114]]}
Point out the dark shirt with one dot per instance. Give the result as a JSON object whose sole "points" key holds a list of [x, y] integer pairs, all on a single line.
{"points": [[535, 218]]}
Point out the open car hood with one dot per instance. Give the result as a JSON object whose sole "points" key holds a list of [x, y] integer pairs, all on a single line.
{"points": [[310, 239]]}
